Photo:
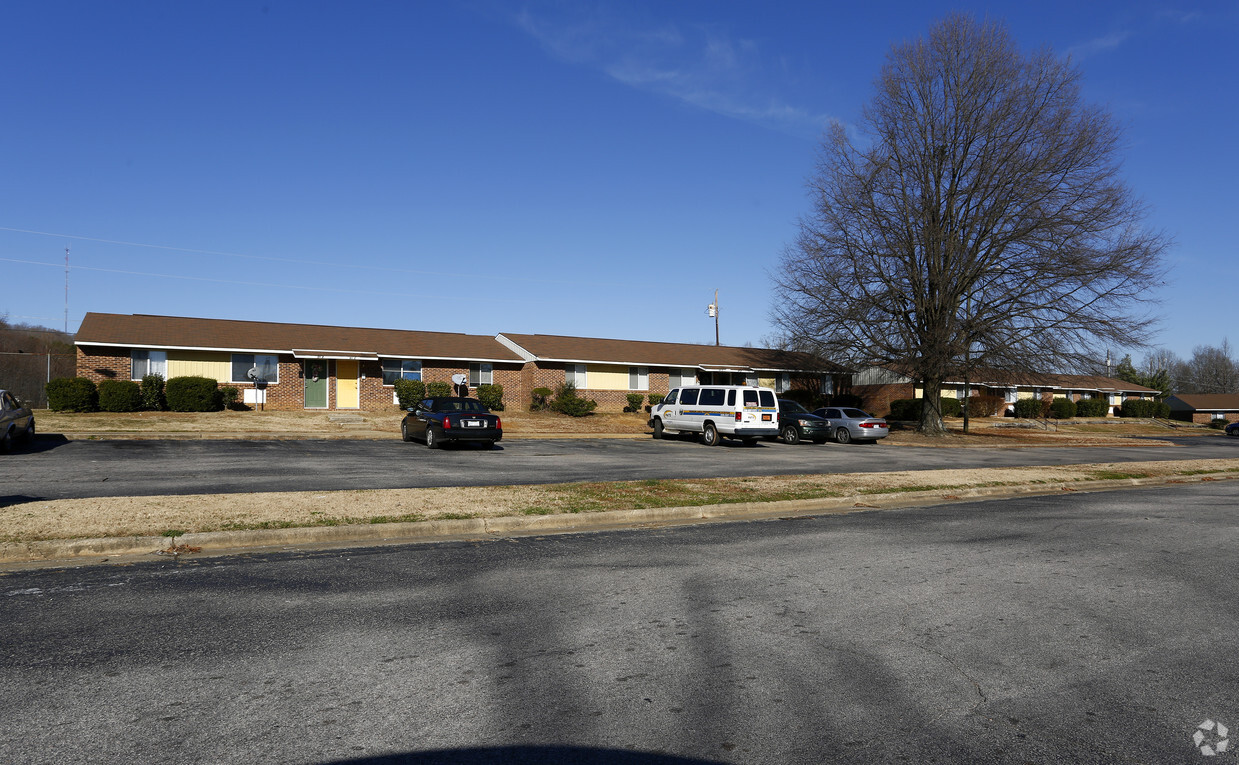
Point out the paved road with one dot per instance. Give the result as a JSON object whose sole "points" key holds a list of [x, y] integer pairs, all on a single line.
{"points": [[1083, 628], [55, 469]]}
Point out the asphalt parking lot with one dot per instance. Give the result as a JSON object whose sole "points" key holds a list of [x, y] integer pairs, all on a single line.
{"points": [[54, 468]]}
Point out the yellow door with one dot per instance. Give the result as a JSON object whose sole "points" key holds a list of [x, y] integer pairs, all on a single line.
{"points": [[347, 396]]}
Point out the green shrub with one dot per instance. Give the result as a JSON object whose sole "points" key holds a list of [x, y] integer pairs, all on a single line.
{"points": [[540, 399], [567, 402], [72, 394], [906, 409], [439, 390], [635, 400], [951, 407], [152, 393], [986, 406], [1028, 408], [410, 392], [1062, 408], [193, 394], [656, 399], [1218, 424], [120, 396], [1092, 407], [491, 397], [1137, 407], [229, 394]]}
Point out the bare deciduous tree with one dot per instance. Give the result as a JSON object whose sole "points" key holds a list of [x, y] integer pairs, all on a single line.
{"points": [[1209, 370], [979, 221]]}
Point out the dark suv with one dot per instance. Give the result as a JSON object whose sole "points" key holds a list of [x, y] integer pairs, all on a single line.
{"points": [[798, 424]]}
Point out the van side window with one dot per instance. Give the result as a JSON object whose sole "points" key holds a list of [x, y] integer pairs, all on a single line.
{"points": [[767, 398], [712, 396], [688, 396], [670, 399], [731, 397], [750, 398]]}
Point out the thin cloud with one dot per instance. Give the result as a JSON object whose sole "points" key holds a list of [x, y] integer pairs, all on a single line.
{"points": [[699, 65], [1098, 45]]}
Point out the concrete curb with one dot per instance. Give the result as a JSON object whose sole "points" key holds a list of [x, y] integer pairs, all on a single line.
{"points": [[71, 551], [357, 435]]}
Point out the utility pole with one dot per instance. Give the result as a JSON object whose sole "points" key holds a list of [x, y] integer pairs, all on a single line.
{"points": [[66, 290], [712, 310]]}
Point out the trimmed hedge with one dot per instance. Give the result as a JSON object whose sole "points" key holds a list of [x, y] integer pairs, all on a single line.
{"points": [[491, 397], [1092, 407], [1029, 408], [120, 396], [951, 407], [439, 390], [193, 394], [152, 393], [72, 394], [634, 402], [986, 406], [656, 399], [410, 392], [540, 399], [1062, 409], [1137, 407]]}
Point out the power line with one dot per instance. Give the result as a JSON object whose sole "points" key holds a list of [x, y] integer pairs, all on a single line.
{"points": [[300, 261]]}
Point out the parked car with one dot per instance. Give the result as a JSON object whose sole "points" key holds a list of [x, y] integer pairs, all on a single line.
{"points": [[16, 421], [798, 424], [848, 424], [1232, 429], [439, 420]]}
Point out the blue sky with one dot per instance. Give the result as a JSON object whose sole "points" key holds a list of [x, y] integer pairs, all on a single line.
{"points": [[583, 168]]}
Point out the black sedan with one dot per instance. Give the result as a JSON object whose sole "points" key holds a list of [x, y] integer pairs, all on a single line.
{"points": [[438, 420], [798, 424]]}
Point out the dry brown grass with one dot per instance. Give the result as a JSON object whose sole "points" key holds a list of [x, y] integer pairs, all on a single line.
{"points": [[146, 516]]}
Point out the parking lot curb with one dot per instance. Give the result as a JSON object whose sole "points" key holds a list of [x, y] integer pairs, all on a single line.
{"points": [[79, 551]]}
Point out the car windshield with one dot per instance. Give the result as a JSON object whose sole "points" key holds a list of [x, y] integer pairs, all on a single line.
{"points": [[855, 414], [787, 405]]}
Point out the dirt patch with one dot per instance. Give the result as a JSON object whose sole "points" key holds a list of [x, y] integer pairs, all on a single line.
{"points": [[152, 516]]}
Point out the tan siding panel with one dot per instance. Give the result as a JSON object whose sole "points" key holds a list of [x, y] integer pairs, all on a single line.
{"points": [[602, 377], [216, 366]]}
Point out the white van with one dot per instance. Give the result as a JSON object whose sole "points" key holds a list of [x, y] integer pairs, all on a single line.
{"points": [[718, 412]]}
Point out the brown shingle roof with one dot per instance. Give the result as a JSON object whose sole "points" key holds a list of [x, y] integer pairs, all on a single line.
{"points": [[645, 353], [144, 331], [1206, 402]]}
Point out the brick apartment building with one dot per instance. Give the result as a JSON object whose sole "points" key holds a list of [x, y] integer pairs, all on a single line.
{"points": [[304, 366]]}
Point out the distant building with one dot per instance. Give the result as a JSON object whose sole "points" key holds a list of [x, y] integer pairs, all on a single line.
{"points": [[1203, 408]]}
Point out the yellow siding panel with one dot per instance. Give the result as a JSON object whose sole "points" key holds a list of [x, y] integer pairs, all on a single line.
{"points": [[765, 382], [606, 377], [212, 364], [918, 392]]}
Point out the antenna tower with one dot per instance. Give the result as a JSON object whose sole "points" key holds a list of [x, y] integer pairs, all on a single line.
{"points": [[66, 290]]}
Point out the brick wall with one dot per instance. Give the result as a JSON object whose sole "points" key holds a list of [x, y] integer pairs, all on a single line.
{"points": [[99, 364], [876, 399]]}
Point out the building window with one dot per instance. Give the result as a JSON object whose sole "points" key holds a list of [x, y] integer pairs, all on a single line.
{"points": [[574, 375], [638, 378], [481, 374], [248, 367], [401, 369], [143, 363], [679, 377], [828, 385]]}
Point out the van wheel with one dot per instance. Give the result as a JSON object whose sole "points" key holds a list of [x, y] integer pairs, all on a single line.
{"points": [[842, 436], [709, 435], [658, 428], [791, 435]]}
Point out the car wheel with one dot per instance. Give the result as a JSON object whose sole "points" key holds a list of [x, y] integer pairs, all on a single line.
{"points": [[6, 443], [404, 431], [658, 428], [709, 435], [790, 434], [432, 441], [29, 435], [842, 436]]}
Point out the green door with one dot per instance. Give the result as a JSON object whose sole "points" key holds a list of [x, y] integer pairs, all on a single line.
{"points": [[316, 384]]}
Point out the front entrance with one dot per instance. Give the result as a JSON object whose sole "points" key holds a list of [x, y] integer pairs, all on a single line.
{"points": [[316, 384], [347, 394]]}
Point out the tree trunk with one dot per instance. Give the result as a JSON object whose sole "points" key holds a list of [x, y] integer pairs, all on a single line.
{"points": [[931, 410]]}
